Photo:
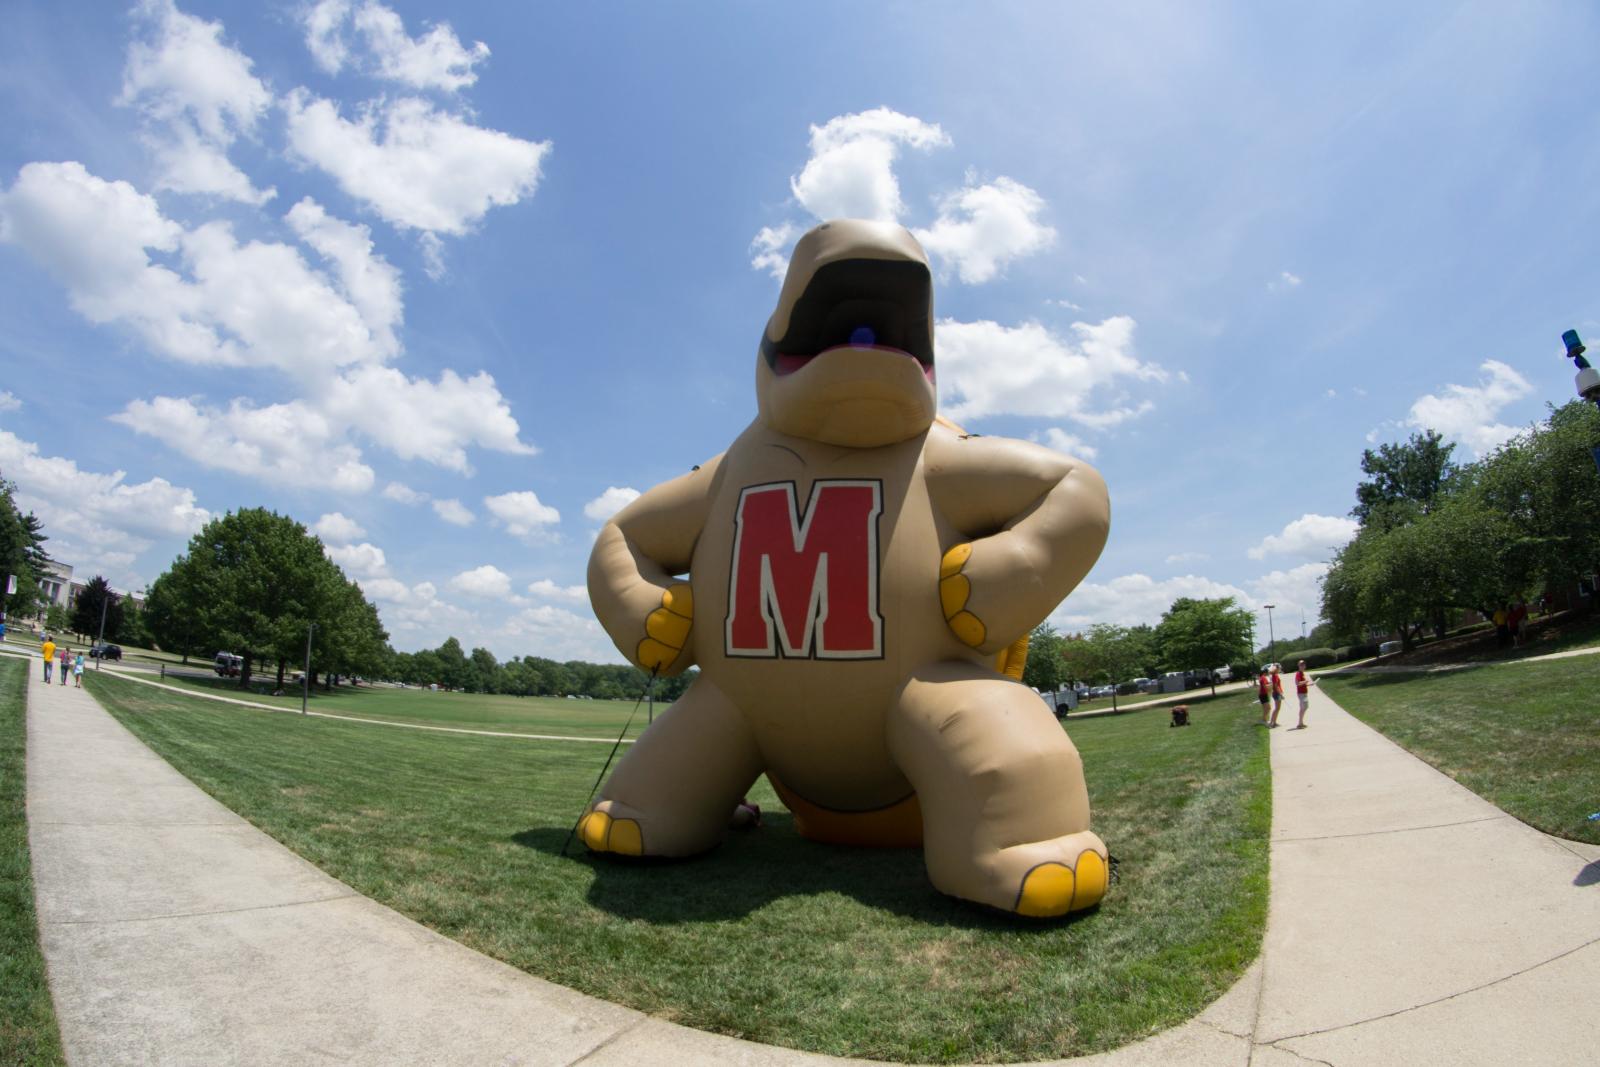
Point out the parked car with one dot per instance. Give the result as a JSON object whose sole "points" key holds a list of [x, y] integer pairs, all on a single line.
{"points": [[1102, 690], [1146, 685], [106, 651], [1223, 673], [228, 665], [1389, 648]]}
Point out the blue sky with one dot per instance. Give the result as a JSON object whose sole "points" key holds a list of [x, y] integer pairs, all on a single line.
{"points": [[447, 283]]}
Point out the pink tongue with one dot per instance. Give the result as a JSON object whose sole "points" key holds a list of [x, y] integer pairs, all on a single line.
{"points": [[789, 364]]}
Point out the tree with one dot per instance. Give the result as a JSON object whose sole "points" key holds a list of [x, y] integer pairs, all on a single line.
{"points": [[1403, 479], [21, 554], [1045, 670], [1106, 653], [1201, 634], [56, 619], [86, 610]]}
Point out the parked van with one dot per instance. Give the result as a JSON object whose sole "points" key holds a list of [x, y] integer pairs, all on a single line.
{"points": [[228, 665]]}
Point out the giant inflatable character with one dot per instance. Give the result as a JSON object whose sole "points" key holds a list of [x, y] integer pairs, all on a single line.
{"points": [[850, 575]]}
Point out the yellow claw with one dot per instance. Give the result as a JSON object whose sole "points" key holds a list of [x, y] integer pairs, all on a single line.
{"points": [[667, 628], [1046, 891], [671, 630], [953, 593], [969, 628], [955, 559], [1091, 880], [679, 599], [601, 833]]}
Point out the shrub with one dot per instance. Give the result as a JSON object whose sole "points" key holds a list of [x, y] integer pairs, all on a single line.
{"points": [[1314, 657]]}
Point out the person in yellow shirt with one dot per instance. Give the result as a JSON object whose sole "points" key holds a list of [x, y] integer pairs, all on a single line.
{"points": [[49, 650]]}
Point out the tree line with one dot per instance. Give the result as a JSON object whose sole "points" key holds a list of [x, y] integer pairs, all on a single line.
{"points": [[450, 667], [1437, 537], [1193, 635]]}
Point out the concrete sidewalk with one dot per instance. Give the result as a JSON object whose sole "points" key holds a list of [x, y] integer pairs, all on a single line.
{"points": [[1411, 922]]}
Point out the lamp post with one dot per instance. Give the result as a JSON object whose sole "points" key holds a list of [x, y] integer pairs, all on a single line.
{"points": [[1272, 641]]}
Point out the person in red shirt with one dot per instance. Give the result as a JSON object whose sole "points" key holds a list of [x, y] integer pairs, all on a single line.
{"points": [[1302, 687], [1264, 694], [1277, 693]]}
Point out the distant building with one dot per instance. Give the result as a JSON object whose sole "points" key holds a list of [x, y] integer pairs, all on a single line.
{"points": [[59, 590]]}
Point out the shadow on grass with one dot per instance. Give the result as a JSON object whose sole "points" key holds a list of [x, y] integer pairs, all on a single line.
{"points": [[753, 869]]}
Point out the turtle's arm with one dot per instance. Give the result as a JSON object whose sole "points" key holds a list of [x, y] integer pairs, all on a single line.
{"points": [[1032, 522], [646, 610]]}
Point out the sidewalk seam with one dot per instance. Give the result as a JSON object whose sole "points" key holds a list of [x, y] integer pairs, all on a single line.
{"points": [[199, 914], [1438, 1000], [611, 1039], [1396, 830]]}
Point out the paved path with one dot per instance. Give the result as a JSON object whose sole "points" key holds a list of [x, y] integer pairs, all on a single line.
{"points": [[1410, 922]]}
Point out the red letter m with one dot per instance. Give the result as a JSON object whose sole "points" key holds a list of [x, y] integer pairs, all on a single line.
{"points": [[806, 586]]}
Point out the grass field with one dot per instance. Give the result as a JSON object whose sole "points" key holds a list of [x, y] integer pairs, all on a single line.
{"points": [[539, 715], [28, 1032], [1524, 736], [770, 937]]}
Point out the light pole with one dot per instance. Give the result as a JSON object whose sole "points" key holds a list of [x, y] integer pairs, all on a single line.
{"points": [[1272, 641]]}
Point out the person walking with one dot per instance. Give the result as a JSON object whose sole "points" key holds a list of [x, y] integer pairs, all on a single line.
{"points": [[1277, 694], [1264, 694], [65, 665], [1302, 687], [48, 650], [77, 671]]}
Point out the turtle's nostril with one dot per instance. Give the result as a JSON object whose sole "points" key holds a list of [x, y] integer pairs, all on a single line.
{"points": [[862, 336]]}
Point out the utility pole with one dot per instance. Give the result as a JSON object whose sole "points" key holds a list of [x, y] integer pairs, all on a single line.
{"points": [[1272, 641], [305, 676]]}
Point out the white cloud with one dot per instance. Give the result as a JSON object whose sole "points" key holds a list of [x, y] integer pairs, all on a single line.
{"points": [[1046, 375], [485, 581], [1136, 598], [436, 60], [454, 512], [522, 513], [545, 589], [1467, 413], [97, 520], [418, 167], [768, 251], [1187, 557], [8, 402], [851, 170], [1310, 536], [363, 561], [286, 444], [1068, 443], [403, 494], [337, 528], [430, 420], [1291, 593], [256, 303], [197, 95], [981, 228], [608, 503], [370, 281], [1284, 282], [560, 634]]}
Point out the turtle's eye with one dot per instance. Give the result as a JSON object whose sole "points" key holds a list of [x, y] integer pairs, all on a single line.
{"points": [[863, 336]]}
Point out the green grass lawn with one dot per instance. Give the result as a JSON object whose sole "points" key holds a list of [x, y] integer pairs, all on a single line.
{"points": [[770, 937], [28, 1033], [1524, 736], [540, 715]]}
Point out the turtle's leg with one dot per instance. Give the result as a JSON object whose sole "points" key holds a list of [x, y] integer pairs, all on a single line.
{"points": [[674, 791], [1005, 812]]}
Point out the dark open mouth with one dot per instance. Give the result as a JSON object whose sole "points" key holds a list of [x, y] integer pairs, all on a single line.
{"points": [[858, 303]]}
